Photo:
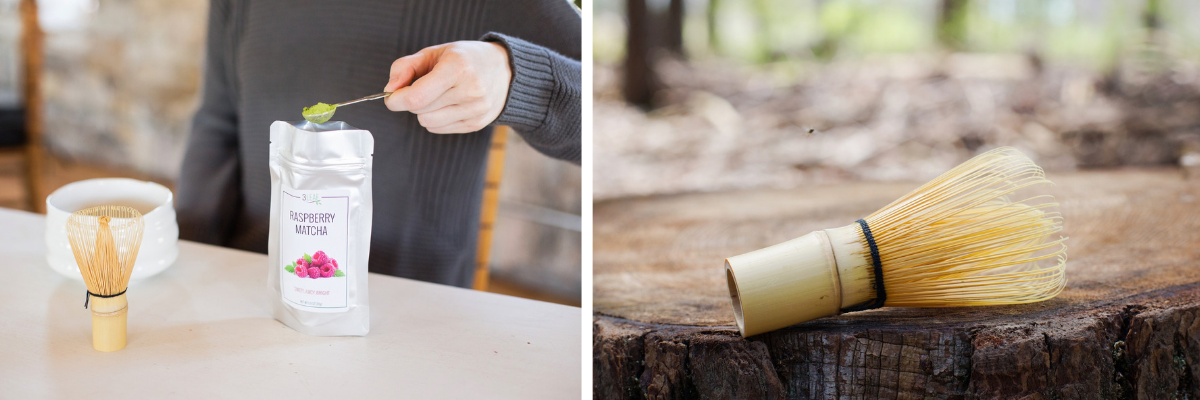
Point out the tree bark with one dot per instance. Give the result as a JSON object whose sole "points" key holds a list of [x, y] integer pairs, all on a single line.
{"points": [[640, 82], [710, 16], [952, 24], [1126, 326], [673, 36]]}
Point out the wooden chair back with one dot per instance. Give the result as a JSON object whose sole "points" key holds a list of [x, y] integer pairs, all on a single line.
{"points": [[491, 203], [31, 65]]}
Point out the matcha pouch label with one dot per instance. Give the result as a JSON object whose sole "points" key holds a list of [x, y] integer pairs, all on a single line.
{"points": [[314, 228], [320, 227]]}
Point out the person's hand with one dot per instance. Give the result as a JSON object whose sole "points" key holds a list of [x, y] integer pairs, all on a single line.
{"points": [[462, 86]]}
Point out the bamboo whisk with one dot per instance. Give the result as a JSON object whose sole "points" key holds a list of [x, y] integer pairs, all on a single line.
{"points": [[105, 240], [963, 239]]}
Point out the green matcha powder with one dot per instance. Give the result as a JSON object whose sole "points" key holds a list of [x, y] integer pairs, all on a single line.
{"points": [[319, 113]]}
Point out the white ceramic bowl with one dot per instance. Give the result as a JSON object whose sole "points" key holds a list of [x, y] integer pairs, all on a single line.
{"points": [[160, 240]]}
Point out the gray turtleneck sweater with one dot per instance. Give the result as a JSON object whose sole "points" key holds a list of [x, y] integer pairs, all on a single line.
{"points": [[267, 60]]}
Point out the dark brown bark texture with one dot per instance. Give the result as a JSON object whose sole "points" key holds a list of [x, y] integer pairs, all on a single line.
{"points": [[1126, 327], [652, 34], [639, 81]]}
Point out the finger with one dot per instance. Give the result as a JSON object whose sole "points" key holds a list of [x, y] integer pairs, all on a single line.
{"points": [[444, 116], [465, 126], [410, 67], [463, 93], [425, 90], [407, 69], [449, 98], [474, 123]]}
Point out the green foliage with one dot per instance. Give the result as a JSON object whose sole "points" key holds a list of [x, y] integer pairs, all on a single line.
{"points": [[1095, 34], [837, 18]]}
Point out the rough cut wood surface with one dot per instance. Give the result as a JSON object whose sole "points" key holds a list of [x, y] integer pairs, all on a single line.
{"points": [[1127, 325]]}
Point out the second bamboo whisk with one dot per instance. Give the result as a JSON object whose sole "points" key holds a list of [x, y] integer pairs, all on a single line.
{"points": [[105, 241], [959, 240]]}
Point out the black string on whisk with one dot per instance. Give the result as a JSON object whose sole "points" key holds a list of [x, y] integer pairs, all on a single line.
{"points": [[880, 292]]}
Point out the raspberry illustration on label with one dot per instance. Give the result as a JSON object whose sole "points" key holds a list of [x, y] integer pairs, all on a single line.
{"points": [[317, 265]]}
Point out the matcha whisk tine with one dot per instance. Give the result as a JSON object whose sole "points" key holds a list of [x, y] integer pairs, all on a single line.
{"points": [[105, 241], [322, 117]]}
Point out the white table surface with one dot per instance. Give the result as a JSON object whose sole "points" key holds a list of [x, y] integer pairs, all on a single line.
{"points": [[202, 329]]}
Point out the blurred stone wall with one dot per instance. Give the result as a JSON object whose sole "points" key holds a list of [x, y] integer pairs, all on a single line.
{"points": [[10, 53], [121, 80]]}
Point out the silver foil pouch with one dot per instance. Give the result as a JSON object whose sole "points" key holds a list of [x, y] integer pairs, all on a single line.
{"points": [[320, 227]]}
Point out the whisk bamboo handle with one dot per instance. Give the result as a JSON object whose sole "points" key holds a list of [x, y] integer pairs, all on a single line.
{"points": [[809, 277], [109, 320]]}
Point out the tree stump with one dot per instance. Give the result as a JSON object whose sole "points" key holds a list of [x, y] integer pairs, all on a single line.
{"points": [[1127, 325]]}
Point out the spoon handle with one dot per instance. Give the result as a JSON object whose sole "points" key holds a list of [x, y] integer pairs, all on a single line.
{"points": [[371, 97]]}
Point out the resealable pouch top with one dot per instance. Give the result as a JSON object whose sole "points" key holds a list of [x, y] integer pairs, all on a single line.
{"points": [[320, 227]]}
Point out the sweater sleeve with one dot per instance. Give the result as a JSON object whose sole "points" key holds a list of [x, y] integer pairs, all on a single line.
{"points": [[544, 98], [209, 191]]}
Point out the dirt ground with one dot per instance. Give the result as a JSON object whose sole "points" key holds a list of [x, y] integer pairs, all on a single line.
{"points": [[722, 126]]}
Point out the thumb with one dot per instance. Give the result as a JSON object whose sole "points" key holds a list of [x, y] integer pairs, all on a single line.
{"points": [[408, 68]]}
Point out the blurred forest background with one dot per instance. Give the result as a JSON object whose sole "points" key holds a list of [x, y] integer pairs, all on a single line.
{"points": [[705, 95], [118, 81]]}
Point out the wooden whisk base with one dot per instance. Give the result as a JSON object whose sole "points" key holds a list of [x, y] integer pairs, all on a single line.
{"points": [[109, 316], [809, 277]]}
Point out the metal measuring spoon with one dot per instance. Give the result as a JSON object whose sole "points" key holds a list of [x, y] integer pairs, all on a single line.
{"points": [[320, 118]]}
